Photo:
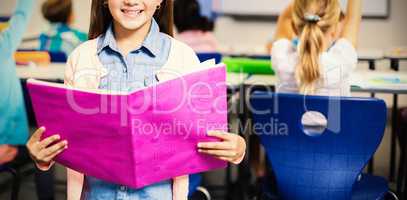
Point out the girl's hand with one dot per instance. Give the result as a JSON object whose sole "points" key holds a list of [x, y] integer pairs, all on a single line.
{"points": [[41, 151], [232, 148]]}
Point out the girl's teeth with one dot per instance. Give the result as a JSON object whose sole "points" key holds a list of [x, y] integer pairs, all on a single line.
{"points": [[133, 12]]}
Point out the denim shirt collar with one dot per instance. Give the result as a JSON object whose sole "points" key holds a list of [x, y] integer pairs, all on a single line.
{"points": [[150, 44]]}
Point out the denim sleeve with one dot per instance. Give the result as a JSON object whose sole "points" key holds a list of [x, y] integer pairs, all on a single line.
{"points": [[11, 37]]}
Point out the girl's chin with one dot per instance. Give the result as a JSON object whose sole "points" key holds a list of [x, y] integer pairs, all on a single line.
{"points": [[132, 25]]}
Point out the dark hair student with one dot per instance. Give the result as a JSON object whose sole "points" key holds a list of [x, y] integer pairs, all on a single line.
{"points": [[187, 16], [57, 11]]}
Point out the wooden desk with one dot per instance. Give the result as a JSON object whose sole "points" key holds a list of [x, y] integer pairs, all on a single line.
{"points": [[50, 72]]}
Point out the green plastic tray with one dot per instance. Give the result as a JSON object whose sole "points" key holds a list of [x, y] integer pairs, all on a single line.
{"points": [[249, 65]]}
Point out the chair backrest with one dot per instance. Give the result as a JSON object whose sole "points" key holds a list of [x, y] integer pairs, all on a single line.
{"points": [[324, 166], [58, 56], [4, 18], [195, 180], [207, 56]]}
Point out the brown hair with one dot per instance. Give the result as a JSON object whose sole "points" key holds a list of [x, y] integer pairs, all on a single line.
{"points": [[187, 16], [312, 32], [57, 11], [101, 18]]}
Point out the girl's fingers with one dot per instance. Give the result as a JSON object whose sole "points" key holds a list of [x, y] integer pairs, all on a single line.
{"points": [[219, 134], [228, 159], [54, 148], [52, 156], [49, 140], [218, 153], [216, 145], [36, 137]]}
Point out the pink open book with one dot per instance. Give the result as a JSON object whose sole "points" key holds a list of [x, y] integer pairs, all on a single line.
{"points": [[138, 138]]}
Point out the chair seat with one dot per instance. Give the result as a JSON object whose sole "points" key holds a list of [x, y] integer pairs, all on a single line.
{"points": [[370, 188], [194, 182]]}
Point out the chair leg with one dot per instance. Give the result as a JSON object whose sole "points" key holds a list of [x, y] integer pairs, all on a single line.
{"points": [[16, 184], [403, 193], [205, 192], [402, 173], [392, 194], [228, 181]]}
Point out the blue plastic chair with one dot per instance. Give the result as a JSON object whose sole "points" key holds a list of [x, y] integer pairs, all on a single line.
{"points": [[58, 57], [195, 189], [194, 182], [207, 56], [325, 166], [4, 18]]}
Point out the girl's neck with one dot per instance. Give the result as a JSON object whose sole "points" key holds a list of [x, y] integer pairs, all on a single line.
{"points": [[129, 40]]}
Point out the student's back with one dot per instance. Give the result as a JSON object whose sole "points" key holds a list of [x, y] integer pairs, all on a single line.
{"points": [[336, 66], [318, 64], [60, 37], [199, 41], [194, 29]]}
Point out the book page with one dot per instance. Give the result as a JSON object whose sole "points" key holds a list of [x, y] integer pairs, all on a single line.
{"points": [[202, 66]]}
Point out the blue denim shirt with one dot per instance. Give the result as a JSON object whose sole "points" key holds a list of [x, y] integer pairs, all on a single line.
{"points": [[13, 120], [127, 73]]}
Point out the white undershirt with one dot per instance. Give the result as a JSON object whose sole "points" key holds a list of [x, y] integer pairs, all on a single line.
{"points": [[337, 65]]}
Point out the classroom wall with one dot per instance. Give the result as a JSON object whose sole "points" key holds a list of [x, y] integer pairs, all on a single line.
{"points": [[375, 33], [274, 7], [251, 36]]}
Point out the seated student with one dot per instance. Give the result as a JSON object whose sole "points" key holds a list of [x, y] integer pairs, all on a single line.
{"points": [[60, 37], [319, 63], [285, 27], [13, 122], [193, 29], [135, 36]]}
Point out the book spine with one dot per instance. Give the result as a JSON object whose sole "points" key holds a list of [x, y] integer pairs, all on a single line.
{"points": [[132, 140]]}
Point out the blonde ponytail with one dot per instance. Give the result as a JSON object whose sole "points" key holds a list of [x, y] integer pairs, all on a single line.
{"points": [[312, 19], [310, 48]]}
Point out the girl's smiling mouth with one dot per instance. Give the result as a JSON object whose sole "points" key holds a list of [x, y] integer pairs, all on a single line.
{"points": [[129, 12]]}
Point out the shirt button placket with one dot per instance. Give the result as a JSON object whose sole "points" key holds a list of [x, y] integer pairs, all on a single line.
{"points": [[125, 72], [122, 193], [125, 64]]}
